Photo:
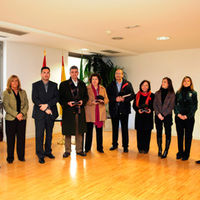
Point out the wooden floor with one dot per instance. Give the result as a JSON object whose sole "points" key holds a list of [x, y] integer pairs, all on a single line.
{"points": [[109, 176]]}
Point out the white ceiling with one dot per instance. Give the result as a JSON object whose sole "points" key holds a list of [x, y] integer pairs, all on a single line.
{"points": [[76, 24]]}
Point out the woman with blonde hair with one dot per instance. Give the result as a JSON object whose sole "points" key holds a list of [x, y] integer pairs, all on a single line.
{"points": [[185, 108], [15, 103]]}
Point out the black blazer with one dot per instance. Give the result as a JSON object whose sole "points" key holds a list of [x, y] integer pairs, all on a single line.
{"points": [[40, 96], [122, 107]]}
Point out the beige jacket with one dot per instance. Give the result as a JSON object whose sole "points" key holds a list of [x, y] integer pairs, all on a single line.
{"points": [[90, 108], [10, 104]]}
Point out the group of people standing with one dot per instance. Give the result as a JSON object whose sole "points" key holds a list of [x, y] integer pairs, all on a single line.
{"points": [[84, 107], [184, 103]]}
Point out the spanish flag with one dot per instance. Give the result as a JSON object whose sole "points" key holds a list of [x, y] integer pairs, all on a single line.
{"points": [[63, 76], [44, 60]]}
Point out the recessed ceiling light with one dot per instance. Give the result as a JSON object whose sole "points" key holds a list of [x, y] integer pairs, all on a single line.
{"points": [[108, 32], [163, 38], [131, 27], [117, 38]]}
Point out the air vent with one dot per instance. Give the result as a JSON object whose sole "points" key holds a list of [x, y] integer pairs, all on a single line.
{"points": [[2, 36], [117, 38], [12, 31], [110, 51]]}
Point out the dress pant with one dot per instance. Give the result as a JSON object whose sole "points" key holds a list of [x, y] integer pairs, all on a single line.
{"points": [[143, 140], [99, 137], [40, 126], [15, 128], [115, 130], [167, 122], [184, 128], [79, 139]]}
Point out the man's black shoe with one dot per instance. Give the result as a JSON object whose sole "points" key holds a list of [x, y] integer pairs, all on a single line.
{"points": [[41, 160], [81, 153], [51, 156], [66, 154]]}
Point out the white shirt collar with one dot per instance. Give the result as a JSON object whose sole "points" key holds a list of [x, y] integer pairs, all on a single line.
{"points": [[75, 82]]}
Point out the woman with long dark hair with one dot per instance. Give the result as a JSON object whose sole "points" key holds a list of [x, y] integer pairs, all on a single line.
{"points": [[143, 106], [185, 108], [163, 106]]}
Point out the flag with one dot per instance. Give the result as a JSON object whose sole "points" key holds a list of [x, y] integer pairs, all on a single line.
{"points": [[44, 60], [63, 78]]}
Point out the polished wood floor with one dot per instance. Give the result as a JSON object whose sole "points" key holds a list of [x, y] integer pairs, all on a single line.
{"points": [[109, 176]]}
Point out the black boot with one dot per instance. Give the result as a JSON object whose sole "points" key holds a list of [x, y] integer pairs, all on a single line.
{"points": [[159, 142], [166, 148]]}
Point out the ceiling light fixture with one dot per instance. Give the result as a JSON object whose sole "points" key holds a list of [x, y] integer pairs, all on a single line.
{"points": [[108, 32], [163, 38], [84, 49]]}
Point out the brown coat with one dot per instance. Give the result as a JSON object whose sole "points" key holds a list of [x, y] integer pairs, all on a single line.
{"points": [[90, 108], [167, 106]]}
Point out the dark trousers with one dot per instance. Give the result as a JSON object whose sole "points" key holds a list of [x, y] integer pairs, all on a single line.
{"points": [[15, 128], [184, 128], [167, 122], [40, 126], [115, 130], [99, 137], [143, 140]]}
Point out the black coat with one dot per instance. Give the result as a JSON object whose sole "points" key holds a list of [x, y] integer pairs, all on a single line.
{"points": [[144, 121], [122, 107], [40, 96], [68, 114]]}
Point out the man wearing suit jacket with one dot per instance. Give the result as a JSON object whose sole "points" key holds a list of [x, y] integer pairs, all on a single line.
{"points": [[120, 94], [44, 96]]}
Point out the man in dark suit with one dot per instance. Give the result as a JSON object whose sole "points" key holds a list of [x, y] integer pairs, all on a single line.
{"points": [[120, 94], [44, 96], [73, 98]]}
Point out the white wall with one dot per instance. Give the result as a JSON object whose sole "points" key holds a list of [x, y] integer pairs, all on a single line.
{"points": [[155, 66], [25, 61]]}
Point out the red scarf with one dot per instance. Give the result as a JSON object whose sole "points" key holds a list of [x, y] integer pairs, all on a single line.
{"points": [[123, 86], [148, 94], [97, 123]]}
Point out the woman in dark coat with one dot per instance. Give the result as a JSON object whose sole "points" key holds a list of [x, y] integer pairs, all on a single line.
{"points": [[163, 105], [143, 106], [185, 108]]}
